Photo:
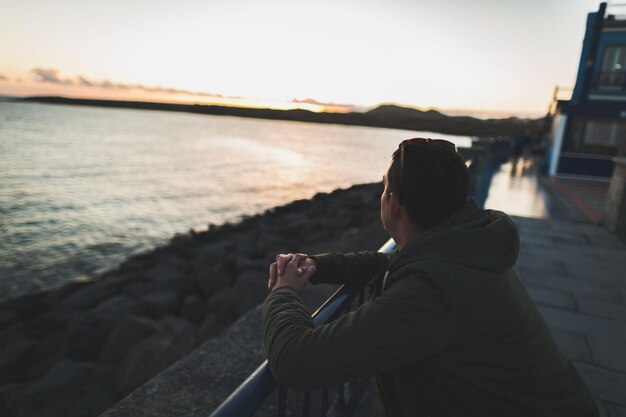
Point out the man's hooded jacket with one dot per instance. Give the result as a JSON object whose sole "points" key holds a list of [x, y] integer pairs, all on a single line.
{"points": [[449, 330]]}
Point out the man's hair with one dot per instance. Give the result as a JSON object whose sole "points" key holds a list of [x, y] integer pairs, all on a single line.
{"points": [[435, 184]]}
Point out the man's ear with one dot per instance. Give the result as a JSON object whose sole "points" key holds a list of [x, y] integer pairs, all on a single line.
{"points": [[395, 207]]}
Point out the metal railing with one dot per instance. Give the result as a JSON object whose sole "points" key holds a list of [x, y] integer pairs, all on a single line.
{"points": [[255, 390]]}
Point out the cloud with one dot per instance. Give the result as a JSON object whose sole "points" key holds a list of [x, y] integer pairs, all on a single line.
{"points": [[3, 78], [83, 81], [54, 76], [349, 107], [308, 101], [50, 75]]}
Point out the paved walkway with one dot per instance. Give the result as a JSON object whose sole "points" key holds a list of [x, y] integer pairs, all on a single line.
{"points": [[575, 271], [522, 192], [576, 275]]}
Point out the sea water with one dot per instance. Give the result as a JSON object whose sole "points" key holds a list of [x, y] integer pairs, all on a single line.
{"points": [[82, 188]]}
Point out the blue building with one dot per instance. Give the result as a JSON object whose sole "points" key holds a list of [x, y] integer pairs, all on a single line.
{"points": [[589, 130]]}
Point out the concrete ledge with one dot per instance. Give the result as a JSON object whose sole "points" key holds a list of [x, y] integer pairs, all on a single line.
{"points": [[198, 383]]}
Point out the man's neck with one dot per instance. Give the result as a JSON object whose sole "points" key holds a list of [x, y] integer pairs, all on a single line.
{"points": [[405, 235]]}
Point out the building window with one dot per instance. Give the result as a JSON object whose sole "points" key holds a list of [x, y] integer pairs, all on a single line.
{"points": [[613, 74], [596, 136], [603, 133]]}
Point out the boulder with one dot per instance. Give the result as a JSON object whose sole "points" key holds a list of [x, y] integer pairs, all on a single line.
{"points": [[13, 333], [212, 326], [140, 287], [138, 263], [179, 329], [148, 358], [69, 389], [211, 276], [246, 244], [48, 351], [244, 263], [159, 303], [7, 318], [125, 335], [193, 309], [224, 302], [294, 225], [250, 290], [13, 360], [218, 251], [118, 307], [174, 274], [53, 322], [86, 336], [89, 294]]}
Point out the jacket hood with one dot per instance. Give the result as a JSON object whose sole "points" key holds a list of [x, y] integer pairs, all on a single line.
{"points": [[473, 237]]}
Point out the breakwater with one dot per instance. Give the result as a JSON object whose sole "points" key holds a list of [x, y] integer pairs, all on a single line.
{"points": [[80, 349]]}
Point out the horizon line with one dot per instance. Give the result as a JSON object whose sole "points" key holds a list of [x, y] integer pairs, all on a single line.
{"points": [[295, 104]]}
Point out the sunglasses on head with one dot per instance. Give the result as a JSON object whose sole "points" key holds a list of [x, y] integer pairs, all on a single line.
{"points": [[417, 142]]}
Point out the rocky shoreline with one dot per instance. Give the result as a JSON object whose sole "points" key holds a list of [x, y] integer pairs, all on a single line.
{"points": [[80, 349]]}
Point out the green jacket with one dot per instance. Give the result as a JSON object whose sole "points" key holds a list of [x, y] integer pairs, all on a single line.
{"points": [[452, 333]]}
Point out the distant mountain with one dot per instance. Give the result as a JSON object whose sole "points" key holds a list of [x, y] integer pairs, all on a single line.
{"points": [[391, 111], [387, 115]]}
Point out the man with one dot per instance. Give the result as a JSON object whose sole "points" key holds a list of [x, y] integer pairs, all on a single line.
{"points": [[449, 329]]}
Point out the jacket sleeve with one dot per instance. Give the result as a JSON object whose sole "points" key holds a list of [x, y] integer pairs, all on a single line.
{"points": [[356, 268], [413, 319]]}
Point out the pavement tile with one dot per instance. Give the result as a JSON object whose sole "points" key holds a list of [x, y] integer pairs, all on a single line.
{"points": [[594, 271], [575, 262], [568, 284], [535, 257], [540, 265], [531, 223], [608, 352], [602, 308], [566, 235], [604, 384], [616, 265], [605, 240], [556, 254], [572, 345], [607, 254], [611, 280], [536, 242], [616, 410], [560, 226], [590, 326], [552, 298], [578, 239]]}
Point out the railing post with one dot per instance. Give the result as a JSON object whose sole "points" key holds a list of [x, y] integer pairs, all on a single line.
{"points": [[282, 401], [306, 403], [324, 401]]}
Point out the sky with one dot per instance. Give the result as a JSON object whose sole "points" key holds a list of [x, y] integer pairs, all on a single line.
{"points": [[492, 56]]}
